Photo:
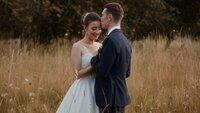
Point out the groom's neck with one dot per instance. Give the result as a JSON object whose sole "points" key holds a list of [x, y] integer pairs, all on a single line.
{"points": [[112, 25]]}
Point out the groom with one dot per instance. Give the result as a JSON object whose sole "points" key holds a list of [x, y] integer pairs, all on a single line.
{"points": [[112, 64]]}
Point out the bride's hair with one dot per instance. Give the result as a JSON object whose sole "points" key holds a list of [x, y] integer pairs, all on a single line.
{"points": [[90, 17]]}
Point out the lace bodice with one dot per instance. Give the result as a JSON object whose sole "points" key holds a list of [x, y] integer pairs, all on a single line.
{"points": [[86, 57]]}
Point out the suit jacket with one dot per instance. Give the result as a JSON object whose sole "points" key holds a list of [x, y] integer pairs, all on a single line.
{"points": [[112, 67]]}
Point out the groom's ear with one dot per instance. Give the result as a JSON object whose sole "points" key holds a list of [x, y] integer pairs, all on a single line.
{"points": [[110, 18]]}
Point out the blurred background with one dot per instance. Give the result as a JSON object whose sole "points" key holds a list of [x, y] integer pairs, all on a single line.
{"points": [[44, 20], [36, 37]]}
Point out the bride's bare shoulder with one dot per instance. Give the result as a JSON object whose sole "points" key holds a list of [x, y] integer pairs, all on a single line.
{"points": [[77, 45]]}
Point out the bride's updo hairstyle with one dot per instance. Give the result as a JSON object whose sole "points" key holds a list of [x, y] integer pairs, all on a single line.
{"points": [[90, 17]]}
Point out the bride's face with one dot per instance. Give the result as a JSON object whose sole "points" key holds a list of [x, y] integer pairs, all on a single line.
{"points": [[93, 30]]}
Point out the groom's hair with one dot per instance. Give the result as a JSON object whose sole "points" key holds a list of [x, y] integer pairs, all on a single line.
{"points": [[116, 10]]}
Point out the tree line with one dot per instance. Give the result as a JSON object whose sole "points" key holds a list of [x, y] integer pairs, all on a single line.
{"points": [[44, 20]]}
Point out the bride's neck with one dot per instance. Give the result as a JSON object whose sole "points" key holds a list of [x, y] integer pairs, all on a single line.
{"points": [[86, 40]]}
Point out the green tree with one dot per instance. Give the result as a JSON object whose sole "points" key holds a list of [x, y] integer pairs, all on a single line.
{"points": [[44, 20]]}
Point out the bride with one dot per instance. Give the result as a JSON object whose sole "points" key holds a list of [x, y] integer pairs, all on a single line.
{"points": [[80, 96]]}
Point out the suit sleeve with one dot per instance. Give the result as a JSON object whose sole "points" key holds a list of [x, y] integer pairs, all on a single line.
{"points": [[94, 60], [129, 65], [128, 71], [103, 63]]}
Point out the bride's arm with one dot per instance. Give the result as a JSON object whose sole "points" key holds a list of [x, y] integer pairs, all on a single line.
{"points": [[76, 62], [83, 72]]}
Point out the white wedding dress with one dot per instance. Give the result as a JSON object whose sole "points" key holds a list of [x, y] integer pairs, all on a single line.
{"points": [[80, 96]]}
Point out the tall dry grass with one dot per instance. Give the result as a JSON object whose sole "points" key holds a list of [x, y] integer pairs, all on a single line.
{"points": [[163, 80]]}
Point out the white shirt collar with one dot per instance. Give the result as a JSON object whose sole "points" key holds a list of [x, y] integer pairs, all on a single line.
{"points": [[113, 28]]}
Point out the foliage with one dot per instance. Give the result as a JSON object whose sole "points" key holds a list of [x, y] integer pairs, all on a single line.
{"points": [[44, 20]]}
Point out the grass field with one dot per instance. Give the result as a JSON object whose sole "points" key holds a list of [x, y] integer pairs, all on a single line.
{"points": [[164, 79]]}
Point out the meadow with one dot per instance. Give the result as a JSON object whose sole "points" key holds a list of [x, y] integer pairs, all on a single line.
{"points": [[164, 78]]}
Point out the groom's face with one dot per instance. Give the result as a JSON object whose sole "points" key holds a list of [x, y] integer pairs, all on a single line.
{"points": [[104, 19]]}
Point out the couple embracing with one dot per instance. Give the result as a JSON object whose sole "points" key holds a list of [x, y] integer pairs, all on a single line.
{"points": [[100, 86]]}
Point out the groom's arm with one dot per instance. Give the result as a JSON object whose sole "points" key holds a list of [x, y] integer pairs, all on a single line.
{"points": [[94, 60], [103, 63], [128, 71], [129, 65]]}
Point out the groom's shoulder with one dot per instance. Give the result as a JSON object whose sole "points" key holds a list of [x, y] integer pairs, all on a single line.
{"points": [[115, 37], [117, 33]]}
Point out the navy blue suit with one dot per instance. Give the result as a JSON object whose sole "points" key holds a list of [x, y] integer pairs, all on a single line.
{"points": [[112, 67]]}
